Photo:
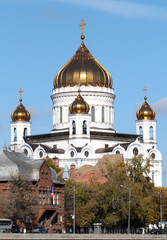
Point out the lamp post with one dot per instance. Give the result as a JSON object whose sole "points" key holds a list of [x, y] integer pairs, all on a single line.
{"points": [[129, 206], [74, 211], [160, 206]]}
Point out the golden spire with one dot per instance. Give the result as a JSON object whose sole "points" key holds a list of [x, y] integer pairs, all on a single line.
{"points": [[145, 112], [145, 91], [20, 113], [21, 91], [82, 27]]}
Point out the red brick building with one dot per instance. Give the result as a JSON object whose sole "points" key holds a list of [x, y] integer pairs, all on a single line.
{"points": [[44, 182], [89, 173]]}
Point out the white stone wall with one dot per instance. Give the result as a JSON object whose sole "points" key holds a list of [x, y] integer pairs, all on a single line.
{"points": [[95, 96]]}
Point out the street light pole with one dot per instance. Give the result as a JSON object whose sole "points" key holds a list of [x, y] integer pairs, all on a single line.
{"points": [[160, 206], [129, 206], [74, 211]]}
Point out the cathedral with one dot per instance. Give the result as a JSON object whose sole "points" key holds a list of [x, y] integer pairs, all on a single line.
{"points": [[83, 120]]}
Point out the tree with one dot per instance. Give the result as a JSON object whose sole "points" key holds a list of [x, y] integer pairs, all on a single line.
{"points": [[138, 168], [20, 202], [51, 164]]}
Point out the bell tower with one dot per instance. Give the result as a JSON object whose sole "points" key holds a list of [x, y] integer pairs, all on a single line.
{"points": [[146, 123], [79, 121], [20, 125]]}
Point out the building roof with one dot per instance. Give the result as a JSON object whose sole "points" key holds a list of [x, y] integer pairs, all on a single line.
{"points": [[14, 163]]}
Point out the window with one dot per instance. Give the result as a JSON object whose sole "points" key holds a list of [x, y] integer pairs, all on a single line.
{"points": [[84, 127], [93, 113], [86, 154], [141, 132], [15, 134], [110, 115], [53, 197], [47, 194], [72, 153], [40, 154], [135, 151], [25, 132], [57, 199], [102, 114], [153, 155], [73, 127], [151, 132], [106, 145], [117, 152], [43, 197], [61, 115]]}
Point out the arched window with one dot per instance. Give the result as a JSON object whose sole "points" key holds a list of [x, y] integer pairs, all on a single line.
{"points": [[93, 113], [102, 114], [141, 132], [110, 115], [15, 134], [25, 132], [84, 127], [73, 127], [151, 132], [135, 151], [61, 115]]}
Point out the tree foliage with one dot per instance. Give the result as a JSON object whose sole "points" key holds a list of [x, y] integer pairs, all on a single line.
{"points": [[20, 202], [109, 203]]}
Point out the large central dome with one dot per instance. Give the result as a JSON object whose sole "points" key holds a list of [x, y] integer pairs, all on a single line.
{"points": [[83, 69]]}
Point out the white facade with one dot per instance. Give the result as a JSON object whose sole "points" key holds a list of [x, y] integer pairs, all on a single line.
{"points": [[84, 138]]}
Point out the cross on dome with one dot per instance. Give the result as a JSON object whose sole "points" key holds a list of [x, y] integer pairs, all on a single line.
{"points": [[82, 26], [145, 91], [21, 91]]}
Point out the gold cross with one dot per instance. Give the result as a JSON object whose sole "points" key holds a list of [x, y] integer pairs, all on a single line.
{"points": [[82, 26], [145, 90], [21, 91]]}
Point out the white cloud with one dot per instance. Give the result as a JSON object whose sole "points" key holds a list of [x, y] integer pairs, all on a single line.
{"points": [[126, 9], [160, 106]]}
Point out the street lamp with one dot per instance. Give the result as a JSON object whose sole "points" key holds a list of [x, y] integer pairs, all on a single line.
{"points": [[160, 206], [129, 206], [74, 211]]}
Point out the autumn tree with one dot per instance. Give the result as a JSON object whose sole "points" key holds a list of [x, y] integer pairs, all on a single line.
{"points": [[20, 202], [108, 203]]}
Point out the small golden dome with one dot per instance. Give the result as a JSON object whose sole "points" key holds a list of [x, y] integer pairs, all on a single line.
{"points": [[20, 113], [145, 112], [79, 105], [83, 69]]}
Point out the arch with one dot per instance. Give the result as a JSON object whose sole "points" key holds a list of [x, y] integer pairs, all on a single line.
{"points": [[151, 132], [73, 127], [84, 127], [93, 113], [25, 132], [102, 114], [15, 134], [61, 115], [141, 132]]}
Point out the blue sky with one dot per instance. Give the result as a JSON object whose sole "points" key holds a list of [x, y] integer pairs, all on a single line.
{"points": [[129, 38]]}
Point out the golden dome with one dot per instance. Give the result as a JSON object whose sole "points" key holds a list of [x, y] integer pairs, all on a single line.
{"points": [[20, 113], [83, 69], [79, 105], [145, 112]]}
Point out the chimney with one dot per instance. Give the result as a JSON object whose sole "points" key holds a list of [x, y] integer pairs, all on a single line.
{"points": [[72, 170]]}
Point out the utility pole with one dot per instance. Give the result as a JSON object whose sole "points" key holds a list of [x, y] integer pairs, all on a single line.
{"points": [[160, 206], [74, 211]]}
